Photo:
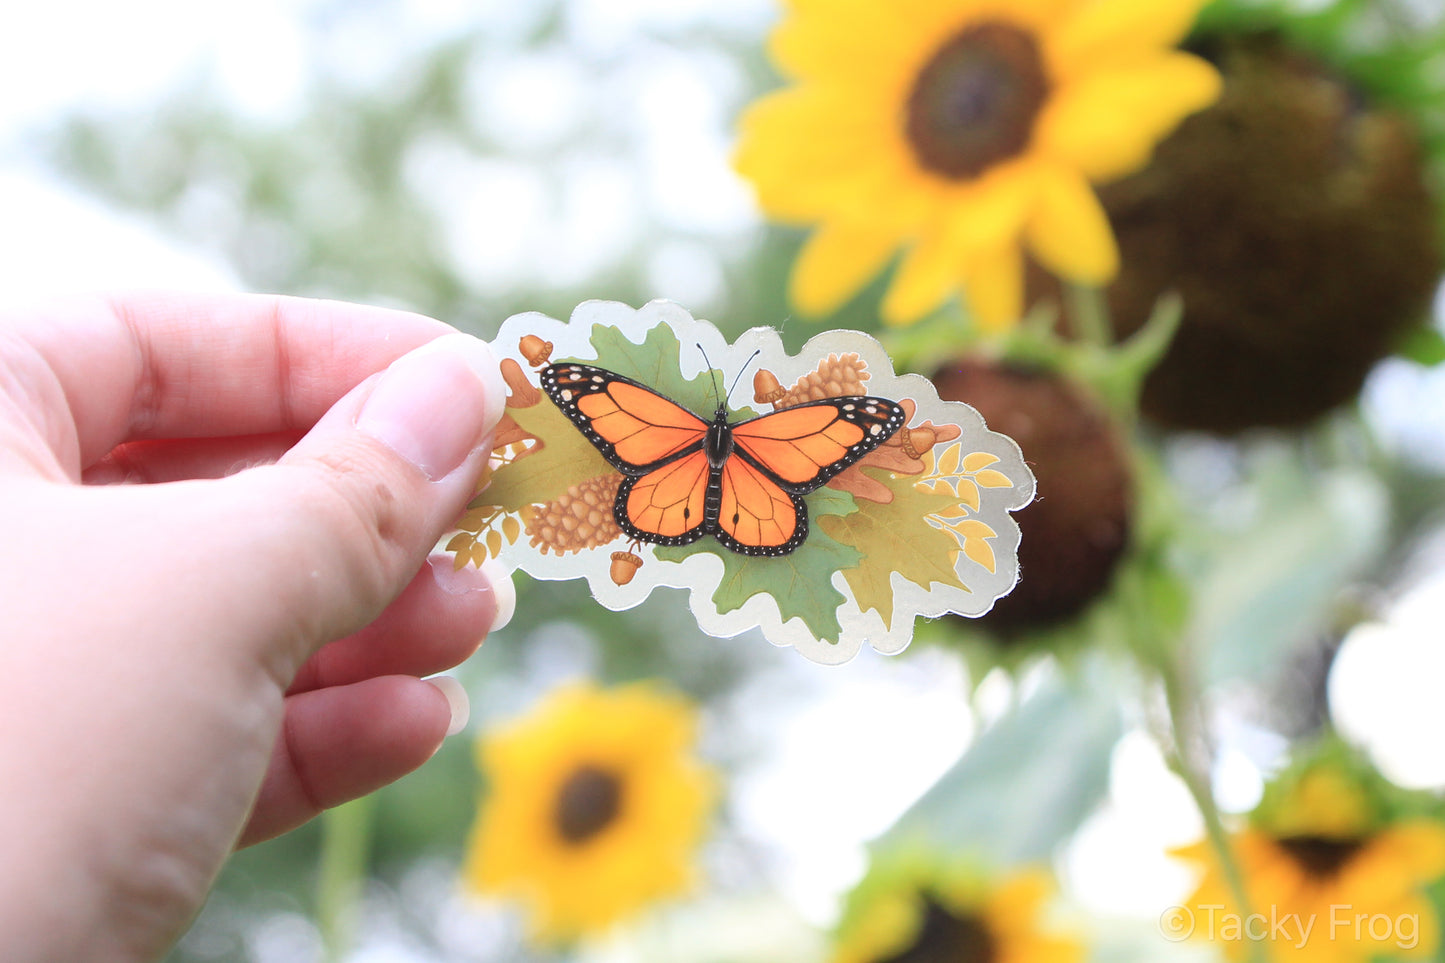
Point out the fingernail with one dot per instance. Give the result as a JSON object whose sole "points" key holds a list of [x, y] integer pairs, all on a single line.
{"points": [[453, 580], [457, 701], [434, 405], [501, 581]]}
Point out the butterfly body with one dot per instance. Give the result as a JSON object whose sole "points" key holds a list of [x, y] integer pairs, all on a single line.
{"points": [[742, 483]]}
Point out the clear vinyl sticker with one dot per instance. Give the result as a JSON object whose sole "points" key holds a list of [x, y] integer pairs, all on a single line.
{"points": [[818, 497]]}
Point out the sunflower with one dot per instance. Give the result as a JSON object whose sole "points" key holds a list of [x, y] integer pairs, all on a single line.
{"points": [[596, 807], [964, 131], [918, 912], [1330, 879]]}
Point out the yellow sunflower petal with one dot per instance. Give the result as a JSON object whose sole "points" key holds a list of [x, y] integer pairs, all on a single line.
{"points": [[835, 262], [1416, 930], [928, 274], [1043, 949], [1069, 232], [806, 150], [1115, 30], [1107, 123], [994, 287], [641, 853], [1395, 862], [830, 39], [1014, 908]]}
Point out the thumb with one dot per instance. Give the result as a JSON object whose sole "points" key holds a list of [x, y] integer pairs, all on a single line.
{"points": [[354, 508]]}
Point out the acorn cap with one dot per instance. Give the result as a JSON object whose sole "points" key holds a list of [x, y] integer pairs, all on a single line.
{"points": [[1077, 528]]}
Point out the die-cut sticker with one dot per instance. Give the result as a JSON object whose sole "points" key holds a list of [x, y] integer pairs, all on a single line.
{"points": [[829, 506]]}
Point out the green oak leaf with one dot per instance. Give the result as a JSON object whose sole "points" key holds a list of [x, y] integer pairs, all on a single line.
{"points": [[655, 363], [897, 538], [799, 583]]}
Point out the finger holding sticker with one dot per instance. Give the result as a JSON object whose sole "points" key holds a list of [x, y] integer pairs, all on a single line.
{"points": [[848, 502]]}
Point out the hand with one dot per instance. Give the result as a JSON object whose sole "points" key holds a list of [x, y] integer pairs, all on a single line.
{"points": [[211, 657]]}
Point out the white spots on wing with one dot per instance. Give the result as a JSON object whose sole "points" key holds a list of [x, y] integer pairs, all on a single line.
{"points": [[566, 394]]}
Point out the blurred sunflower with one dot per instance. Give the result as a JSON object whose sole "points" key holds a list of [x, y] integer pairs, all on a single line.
{"points": [[596, 807], [1321, 848], [963, 130], [918, 912]]}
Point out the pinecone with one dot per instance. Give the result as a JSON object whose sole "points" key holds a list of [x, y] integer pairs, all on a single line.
{"points": [[837, 376], [580, 518]]}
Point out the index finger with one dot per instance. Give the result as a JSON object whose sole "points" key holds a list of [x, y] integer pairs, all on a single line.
{"points": [[206, 365]]}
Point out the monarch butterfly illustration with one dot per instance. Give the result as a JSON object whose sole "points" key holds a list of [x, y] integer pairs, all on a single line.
{"points": [[740, 482]]}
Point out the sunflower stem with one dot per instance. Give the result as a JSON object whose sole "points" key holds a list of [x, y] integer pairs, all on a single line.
{"points": [[1089, 315], [345, 847], [1184, 718]]}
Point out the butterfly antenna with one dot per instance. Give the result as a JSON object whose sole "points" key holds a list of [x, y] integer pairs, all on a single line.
{"points": [[742, 370], [716, 387]]}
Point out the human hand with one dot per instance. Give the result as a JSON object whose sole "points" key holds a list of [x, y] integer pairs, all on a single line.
{"points": [[212, 657]]}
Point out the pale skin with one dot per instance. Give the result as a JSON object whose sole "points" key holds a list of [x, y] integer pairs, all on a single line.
{"points": [[216, 600]]}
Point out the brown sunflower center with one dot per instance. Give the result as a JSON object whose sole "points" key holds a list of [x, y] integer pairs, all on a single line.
{"points": [[587, 803], [1320, 857], [974, 103], [946, 937]]}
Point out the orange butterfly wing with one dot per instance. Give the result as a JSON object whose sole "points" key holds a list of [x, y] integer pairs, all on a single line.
{"points": [[673, 495], [803, 446], [669, 505], [755, 516], [786, 454], [634, 427]]}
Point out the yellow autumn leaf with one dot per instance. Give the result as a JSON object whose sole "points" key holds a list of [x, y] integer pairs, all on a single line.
{"points": [[973, 528], [974, 534], [511, 528], [494, 542], [968, 492], [981, 552], [948, 464], [460, 542], [978, 460], [475, 519], [993, 479]]}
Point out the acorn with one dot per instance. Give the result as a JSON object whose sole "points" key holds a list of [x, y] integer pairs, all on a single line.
{"points": [[916, 441], [766, 388], [624, 566], [1077, 528], [535, 350], [1296, 220]]}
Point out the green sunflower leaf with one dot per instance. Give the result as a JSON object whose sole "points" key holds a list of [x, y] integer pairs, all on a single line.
{"points": [[1425, 345], [1049, 757]]}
